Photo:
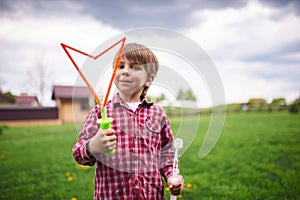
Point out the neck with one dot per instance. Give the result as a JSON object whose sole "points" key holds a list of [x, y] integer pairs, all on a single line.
{"points": [[130, 99]]}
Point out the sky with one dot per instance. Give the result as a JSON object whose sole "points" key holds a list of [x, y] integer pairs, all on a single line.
{"points": [[254, 44]]}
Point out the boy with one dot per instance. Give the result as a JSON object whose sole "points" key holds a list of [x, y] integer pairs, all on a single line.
{"points": [[141, 136]]}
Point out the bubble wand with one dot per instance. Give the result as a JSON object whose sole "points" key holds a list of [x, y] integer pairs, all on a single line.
{"points": [[178, 144], [104, 122]]}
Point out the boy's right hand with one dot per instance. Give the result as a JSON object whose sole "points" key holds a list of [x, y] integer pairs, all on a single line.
{"points": [[104, 141]]}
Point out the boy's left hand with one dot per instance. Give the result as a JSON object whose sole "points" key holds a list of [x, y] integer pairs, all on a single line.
{"points": [[177, 187]]}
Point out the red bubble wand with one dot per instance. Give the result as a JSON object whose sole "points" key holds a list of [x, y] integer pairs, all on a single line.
{"points": [[105, 122]]}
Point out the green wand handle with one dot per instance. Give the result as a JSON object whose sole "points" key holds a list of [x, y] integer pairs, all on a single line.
{"points": [[105, 123]]}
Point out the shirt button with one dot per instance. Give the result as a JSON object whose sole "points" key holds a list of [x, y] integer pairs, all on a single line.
{"points": [[136, 182]]}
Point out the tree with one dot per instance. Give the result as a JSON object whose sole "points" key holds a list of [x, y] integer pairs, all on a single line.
{"points": [[258, 104], [38, 77], [278, 104], [257, 101], [156, 98], [180, 95], [190, 96], [11, 96], [187, 95], [160, 98], [295, 106], [279, 101]]}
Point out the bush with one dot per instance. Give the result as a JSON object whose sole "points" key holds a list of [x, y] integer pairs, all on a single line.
{"points": [[294, 108]]}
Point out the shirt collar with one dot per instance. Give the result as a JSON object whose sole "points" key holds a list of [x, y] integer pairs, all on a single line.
{"points": [[118, 101]]}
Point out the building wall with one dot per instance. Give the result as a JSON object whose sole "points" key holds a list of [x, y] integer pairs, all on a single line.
{"points": [[18, 116], [30, 113], [71, 112]]}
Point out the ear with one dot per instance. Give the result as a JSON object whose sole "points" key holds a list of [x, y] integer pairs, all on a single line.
{"points": [[150, 80]]}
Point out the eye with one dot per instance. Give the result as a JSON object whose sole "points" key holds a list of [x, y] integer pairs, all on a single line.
{"points": [[121, 67], [136, 67]]}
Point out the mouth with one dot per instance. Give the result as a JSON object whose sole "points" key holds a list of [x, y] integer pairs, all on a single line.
{"points": [[125, 81]]}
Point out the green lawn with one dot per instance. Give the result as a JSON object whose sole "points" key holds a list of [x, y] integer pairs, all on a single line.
{"points": [[256, 157]]}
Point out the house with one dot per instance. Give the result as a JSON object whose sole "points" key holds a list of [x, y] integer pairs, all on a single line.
{"points": [[25, 110], [72, 102], [27, 101]]}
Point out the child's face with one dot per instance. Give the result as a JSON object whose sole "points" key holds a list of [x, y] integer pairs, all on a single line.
{"points": [[131, 79]]}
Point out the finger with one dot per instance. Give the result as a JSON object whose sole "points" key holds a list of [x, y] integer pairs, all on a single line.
{"points": [[109, 132], [112, 138], [111, 145]]}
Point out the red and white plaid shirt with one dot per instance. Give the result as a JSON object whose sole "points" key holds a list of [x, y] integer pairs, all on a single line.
{"points": [[143, 154]]}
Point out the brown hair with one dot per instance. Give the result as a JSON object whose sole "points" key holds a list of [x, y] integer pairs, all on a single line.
{"points": [[141, 55]]}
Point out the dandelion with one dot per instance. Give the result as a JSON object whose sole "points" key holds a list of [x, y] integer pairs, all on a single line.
{"points": [[73, 198], [67, 174], [70, 178], [179, 196], [189, 185], [167, 189]]}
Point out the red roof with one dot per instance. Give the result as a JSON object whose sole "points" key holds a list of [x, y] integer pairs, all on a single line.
{"points": [[69, 92], [27, 101]]}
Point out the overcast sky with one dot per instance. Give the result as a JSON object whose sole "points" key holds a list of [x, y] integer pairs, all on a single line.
{"points": [[255, 45]]}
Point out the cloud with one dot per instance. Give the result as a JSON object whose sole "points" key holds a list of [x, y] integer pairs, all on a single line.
{"points": [[253, 48], [27, 38], [243, 28], [294, 5], [252, 43], [174, 14]]}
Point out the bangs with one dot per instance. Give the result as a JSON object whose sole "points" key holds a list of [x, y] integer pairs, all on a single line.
{"points": [[140, 55]]}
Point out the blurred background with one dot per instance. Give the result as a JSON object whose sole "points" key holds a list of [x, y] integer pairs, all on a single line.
{"points": [[254, 44]]}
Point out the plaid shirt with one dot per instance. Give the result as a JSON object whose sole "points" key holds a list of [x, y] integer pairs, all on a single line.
{"points": [[143, 155]]}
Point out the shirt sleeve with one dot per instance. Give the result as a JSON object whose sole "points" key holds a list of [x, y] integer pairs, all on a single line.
{"points": [[167, 153], [89, 129]]}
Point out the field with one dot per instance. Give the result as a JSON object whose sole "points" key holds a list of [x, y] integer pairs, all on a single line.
{"points": [[256, 157]]}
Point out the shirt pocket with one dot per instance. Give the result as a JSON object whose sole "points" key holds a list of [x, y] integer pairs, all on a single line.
{"points": [[153, 127], [150, 134]]}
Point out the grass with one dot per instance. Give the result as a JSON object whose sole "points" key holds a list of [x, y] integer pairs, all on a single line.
{"points": [[256, 157]]}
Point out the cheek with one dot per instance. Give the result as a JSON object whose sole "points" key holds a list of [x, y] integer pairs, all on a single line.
{"points": [[117, 77], [141, 79], [116, 80]]}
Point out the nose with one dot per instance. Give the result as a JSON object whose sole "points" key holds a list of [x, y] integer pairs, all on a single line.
{"points": [[125, 71]]}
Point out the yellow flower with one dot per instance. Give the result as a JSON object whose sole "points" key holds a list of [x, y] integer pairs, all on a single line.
{"points": [[70, 178], [179, 196], [189, 185], [73, 198], [67, 174], [167, 189]]}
